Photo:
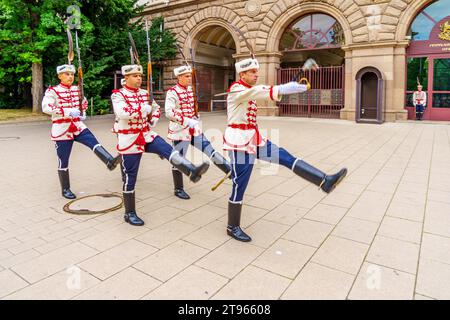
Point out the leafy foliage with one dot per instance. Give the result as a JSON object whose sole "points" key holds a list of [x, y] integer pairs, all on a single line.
{"points": [[34, 31]]}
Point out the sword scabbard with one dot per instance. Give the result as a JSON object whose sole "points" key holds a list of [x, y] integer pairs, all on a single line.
{"points": [[221, 181]]}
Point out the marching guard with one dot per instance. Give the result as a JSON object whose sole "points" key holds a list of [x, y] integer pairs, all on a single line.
{"points": [[184, 127], [244, 142], [62, 102], [135, 121]]}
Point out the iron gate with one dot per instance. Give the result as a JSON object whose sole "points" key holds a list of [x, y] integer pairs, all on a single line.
{"points": [[324, 100]]}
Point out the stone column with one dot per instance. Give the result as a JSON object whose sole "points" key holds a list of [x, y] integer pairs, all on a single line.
{"points": [[348, 112], [389, 58], [399, 85]]}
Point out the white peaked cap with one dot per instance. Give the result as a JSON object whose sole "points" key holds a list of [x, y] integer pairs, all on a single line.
{"points": [[182, 70], [65, 68], [131, 68], [246, 64]]}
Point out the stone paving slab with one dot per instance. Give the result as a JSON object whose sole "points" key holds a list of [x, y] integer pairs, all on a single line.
{"points": [[384, 233], [376, 282]]}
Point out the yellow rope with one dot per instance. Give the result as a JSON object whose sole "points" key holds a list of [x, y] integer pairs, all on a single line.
{"points": [[67, 209]]}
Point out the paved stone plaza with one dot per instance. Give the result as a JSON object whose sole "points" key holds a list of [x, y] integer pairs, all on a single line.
{"points": [[384, 233]]}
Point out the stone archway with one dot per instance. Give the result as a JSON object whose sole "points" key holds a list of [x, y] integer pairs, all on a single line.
{"points": [[214, 45], [284, 12], [217, 16], [407, 16], [428, 59], [280, 23], [316, 34], [369, 95]]}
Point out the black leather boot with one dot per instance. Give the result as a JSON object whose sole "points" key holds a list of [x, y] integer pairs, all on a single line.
{"points": [[64, 180], [130, 210], [331, 181], [107, 158], [122, 171], [178, 185], [221, 162], [326, 182], [234, 220], [185, 166]]}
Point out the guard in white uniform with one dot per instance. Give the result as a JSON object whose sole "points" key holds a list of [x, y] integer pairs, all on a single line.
{"points": [[184, 127], [135, 121], [245, 143], [62, 102], [419, 102]]}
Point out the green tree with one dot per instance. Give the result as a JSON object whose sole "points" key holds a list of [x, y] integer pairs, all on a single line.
{"points": [[27, 30], [33, 42]]}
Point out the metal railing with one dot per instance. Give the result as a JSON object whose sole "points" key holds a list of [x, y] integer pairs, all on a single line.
{"points": [[218, 105], [324, 100]]}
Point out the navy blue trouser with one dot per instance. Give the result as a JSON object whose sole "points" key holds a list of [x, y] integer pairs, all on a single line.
{"points": [[242, 166], [64, 148], [130, 162], [200, 142], [420, 108], [419, 111]]}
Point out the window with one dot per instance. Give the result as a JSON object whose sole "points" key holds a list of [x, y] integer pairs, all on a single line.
{"points": [[441, 75], [425, 21], [417, 70], [313, 31], [157, 72], [441, 83]]}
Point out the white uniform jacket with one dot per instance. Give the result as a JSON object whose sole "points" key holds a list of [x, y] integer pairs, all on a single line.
{"points": [[132, 125], [419, 97], [242, 133], [179, 107], [58, 102]]}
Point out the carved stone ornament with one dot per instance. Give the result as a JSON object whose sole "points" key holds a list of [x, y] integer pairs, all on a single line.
{"points": [[252, 8], [445, 31]]}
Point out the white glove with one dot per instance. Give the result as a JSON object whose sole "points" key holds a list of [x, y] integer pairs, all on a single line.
{"points": [[154, 121], [310, 64], [147, 109], [292, 87], [74, 113], [192, 123], [83, 117]]}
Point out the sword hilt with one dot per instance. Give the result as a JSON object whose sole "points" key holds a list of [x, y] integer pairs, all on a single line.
{"points": [[308, 85]]}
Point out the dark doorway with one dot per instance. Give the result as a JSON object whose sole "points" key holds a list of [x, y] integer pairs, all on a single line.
{"points": [[214, 48], [370, 104], [319, 36], [369, 89]]}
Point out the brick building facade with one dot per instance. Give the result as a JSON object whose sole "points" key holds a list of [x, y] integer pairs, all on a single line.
{"points": [[368, 39]]}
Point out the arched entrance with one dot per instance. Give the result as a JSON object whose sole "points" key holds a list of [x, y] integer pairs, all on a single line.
{"points": [[369, 96], [319, 36], [214, 48], [428, 60]]}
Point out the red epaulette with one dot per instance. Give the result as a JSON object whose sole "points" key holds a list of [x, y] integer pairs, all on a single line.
{"points": [[232, 85]]}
